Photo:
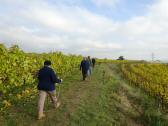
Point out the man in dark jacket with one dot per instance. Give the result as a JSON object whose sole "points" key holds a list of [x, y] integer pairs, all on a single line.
{"points": [[47, 79], [84, 67], [93, 62]]}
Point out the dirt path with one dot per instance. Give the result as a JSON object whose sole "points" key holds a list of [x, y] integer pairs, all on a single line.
{"points": [[105, 100]]}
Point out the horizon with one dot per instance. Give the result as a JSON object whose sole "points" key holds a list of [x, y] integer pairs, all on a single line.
{"points": [[99, 28], [56, 51]]}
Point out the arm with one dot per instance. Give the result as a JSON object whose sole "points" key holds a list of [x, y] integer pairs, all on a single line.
{"points": [[54, 77]]}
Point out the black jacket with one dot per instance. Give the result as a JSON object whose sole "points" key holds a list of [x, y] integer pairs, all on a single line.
{"points": [[84, 65], [47, 79]]}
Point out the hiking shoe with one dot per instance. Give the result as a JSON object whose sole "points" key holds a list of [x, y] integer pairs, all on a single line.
{"points": [[41, 116]]}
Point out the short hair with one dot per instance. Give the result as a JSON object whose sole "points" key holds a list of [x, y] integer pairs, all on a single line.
{"points": [[47, 63]]}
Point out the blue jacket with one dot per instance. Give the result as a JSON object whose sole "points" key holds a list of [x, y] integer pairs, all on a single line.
{"points": [[90, 62], [47, 79], [84, 66]]}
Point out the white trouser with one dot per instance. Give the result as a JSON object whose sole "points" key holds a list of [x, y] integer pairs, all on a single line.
{"points": [[42, 97]]}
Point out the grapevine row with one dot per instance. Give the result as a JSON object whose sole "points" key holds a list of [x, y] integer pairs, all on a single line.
{"points": [[151, 77], [18, 72]]}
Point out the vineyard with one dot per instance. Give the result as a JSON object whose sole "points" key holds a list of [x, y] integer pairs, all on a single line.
{"points": [[18, 73], [153, 78], [125, 93]]}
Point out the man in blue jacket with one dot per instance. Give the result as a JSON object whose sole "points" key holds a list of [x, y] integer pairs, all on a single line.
{"points": [[84, 67], [47, 79]]}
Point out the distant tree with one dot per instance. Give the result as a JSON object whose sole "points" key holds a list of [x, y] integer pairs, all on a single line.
{"points": [[121, 58]]}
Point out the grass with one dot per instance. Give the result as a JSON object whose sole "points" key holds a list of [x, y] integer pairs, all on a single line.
{"points": [[105, 100], [147, 106]]}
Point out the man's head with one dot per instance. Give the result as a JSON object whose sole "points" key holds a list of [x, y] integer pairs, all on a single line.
{"points": [[47, 63], [84, 58], [88, 57]]}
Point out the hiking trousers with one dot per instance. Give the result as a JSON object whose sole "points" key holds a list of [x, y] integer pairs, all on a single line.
{"points": [[84, 74], [42, 97]]}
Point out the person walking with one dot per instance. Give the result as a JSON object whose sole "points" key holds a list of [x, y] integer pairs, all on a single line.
{"points": [[90, 66], [84, 67], [93, 62], [47, 79]]}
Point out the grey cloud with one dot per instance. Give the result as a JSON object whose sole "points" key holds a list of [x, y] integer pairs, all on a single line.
{"points": [[41, 27]]}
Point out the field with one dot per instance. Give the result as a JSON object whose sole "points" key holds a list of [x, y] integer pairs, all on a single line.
{"points": [[126, 93], [153, 78]]}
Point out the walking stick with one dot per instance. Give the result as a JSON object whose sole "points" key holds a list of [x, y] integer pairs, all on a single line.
{"points": [[58, 95], [55, 101], [59, 90]]}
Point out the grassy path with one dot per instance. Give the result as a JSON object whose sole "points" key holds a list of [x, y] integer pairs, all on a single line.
{"points": [[105, 100]]}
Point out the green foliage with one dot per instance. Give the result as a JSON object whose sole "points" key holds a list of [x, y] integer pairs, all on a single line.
{"points": [[151, 77], [18, 72]]}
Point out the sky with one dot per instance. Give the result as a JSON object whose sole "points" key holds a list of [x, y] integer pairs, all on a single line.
{"points": [[100, 28]]}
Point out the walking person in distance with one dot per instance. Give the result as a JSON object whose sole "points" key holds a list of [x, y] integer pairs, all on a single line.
{"points": [[93, 62], [84, 67], [90, 66]]}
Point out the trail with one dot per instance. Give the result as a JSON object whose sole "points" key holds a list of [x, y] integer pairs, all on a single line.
{"points": [[104, 100]]}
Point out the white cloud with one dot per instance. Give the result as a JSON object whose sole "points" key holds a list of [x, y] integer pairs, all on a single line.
{"points": [[78, 29], [73, 29], [109, 3]]}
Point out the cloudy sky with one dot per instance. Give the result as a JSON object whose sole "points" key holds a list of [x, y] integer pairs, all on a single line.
{"points": [[100, 28]]}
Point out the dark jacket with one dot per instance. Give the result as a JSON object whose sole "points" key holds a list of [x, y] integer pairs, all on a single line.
{"points": [[47, 79], [84, 66], [93, 61]]}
